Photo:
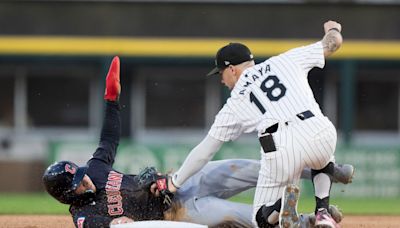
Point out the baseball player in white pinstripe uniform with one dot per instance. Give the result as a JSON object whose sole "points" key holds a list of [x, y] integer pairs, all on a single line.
{"points": [[275, 99]]}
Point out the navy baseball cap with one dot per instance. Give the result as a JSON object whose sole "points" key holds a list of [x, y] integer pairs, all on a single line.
{"points": [[231, 54]]}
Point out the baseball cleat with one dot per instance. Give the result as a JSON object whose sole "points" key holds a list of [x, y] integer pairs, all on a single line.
{"points": [[343, 173], [113, 86], [308, 220], [336, 213], [324, 220], [288, 217]]}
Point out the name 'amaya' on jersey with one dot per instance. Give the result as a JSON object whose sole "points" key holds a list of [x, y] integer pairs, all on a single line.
{"points": [[272, 91]]}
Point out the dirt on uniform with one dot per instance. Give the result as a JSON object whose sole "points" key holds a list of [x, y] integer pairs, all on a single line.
{"points": [[64, 221]]}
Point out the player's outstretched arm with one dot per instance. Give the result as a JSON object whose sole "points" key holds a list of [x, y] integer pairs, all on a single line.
{"points": [[333, 38], [195, 161]]}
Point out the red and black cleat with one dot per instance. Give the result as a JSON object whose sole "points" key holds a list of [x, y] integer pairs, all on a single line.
{"points": [[113, 86]]}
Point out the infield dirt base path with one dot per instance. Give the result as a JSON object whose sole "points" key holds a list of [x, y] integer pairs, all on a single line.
{"points": [[55, 221]]}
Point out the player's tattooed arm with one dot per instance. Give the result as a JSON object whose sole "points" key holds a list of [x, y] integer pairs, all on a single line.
{"points": [[333, 38]]}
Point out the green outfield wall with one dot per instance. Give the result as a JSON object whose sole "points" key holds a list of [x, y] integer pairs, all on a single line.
{"points": [[377, 169]]}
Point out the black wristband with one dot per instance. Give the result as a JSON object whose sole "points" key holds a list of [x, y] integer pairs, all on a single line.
{"points": [[336, 29]]}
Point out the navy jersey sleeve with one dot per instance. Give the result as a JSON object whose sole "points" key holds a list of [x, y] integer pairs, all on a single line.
{"points": [[110, 134]]}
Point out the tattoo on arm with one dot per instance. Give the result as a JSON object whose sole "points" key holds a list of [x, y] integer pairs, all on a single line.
{"points": [[331, 42]]}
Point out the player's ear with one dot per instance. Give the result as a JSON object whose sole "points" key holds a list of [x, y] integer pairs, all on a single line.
{"points": [[237, 71], [232, 68]]}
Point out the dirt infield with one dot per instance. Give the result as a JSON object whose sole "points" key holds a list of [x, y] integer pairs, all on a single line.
{"points": [[47, 221]]}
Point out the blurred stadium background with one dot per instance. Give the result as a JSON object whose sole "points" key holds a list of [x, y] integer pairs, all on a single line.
{"points": [[54, 56]]}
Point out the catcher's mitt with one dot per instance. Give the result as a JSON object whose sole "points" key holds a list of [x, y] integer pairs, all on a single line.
{"points": [[149, 176]]}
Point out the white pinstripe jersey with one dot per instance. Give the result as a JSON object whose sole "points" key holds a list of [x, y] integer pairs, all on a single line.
{"points": [[272, 91]]}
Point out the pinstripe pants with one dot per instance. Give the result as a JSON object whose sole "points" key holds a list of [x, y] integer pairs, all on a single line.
{"points": [[299, 143]]}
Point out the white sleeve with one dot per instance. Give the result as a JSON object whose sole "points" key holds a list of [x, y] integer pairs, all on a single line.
{"points": [[226, 126], [307, 57], [197, 159]]}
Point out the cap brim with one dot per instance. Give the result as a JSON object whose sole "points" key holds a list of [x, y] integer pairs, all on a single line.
{"points": [[80, 173], [213, 72]]}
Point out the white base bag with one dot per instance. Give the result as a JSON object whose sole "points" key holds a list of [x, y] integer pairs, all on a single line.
{"points": [[158, 224]]}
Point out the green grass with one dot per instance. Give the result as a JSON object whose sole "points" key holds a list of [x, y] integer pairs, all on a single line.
{"points": [[35, 203], [41, 203]]}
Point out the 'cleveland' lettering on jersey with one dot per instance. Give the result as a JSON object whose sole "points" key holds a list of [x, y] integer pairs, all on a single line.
{"points": [[114, 198]]}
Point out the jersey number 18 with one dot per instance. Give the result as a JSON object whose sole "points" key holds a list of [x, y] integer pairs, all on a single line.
{"points": [[268, 91]]}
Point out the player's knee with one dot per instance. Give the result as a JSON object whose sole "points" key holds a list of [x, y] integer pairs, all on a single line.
{"points": [[328, 169], [268, 217]]}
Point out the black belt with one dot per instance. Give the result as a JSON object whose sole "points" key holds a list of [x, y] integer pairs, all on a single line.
{"points": [[267, 141]]}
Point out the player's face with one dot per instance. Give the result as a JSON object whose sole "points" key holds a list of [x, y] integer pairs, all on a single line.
{"points": [[86, 184], [228, 76]]}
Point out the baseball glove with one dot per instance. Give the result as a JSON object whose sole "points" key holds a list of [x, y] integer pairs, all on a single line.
{"points": [[148, 176]]}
